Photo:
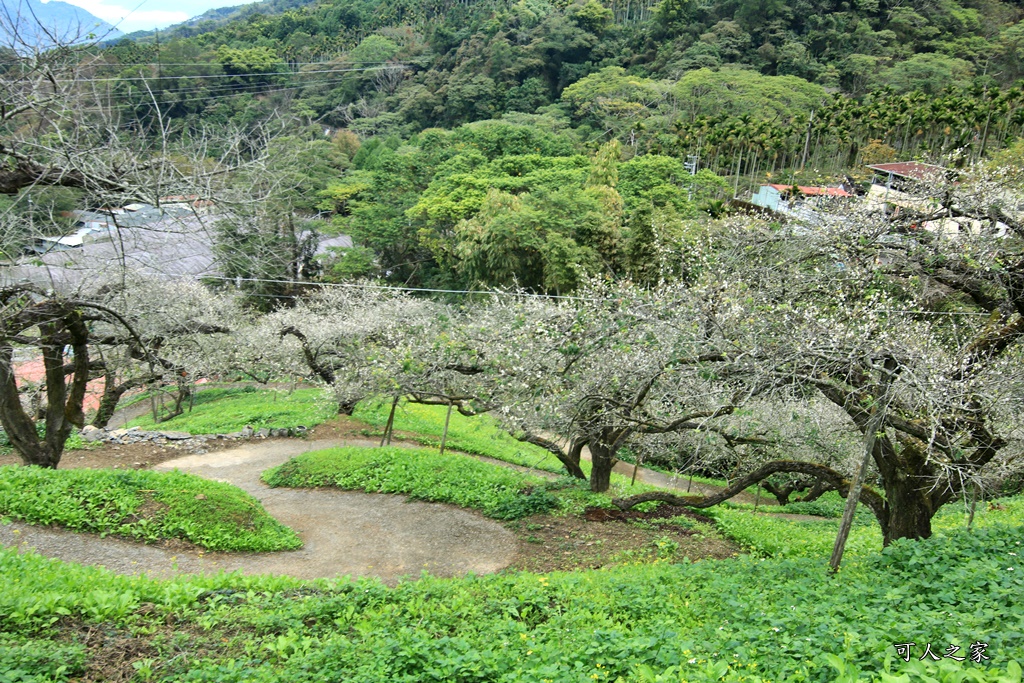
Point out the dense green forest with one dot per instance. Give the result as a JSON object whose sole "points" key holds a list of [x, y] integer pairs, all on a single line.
{"points": [[535, 143], [451, 63]]}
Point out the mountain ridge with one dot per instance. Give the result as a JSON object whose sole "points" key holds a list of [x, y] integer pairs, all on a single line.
{"points": [[34, 24]]}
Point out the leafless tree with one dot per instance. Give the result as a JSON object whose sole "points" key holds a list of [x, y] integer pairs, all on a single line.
{"points": [[59, 127]]}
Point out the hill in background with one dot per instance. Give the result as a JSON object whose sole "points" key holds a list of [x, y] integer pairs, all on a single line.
{"points": [[34, 23]]}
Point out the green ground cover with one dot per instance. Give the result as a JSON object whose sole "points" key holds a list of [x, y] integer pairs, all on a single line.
{"points": [[767, 536], [420, 474], [774, 615], [424, 474], [479, 435], [143, 505], [225, 410], [744, 619]]}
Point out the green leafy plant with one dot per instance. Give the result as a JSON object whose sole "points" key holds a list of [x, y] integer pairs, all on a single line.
{"points": [[144, 505], [421, 474], [225, 410]]}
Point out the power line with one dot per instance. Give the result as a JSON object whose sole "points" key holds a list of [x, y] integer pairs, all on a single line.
{"points": [[149, 103], [265, 73], [129, 65]]}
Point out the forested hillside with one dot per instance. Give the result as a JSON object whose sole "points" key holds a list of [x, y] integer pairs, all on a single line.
{"points": [[470, 60], [538, 143], [458, 142]]}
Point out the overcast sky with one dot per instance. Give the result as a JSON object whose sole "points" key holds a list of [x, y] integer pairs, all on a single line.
{"points": [[150, 13]]}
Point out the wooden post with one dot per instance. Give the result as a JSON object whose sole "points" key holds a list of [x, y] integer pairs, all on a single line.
{"points": [[853, 496], [386, 437], [974, 504], [444, 434]]}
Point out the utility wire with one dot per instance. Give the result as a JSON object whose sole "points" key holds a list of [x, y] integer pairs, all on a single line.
{"points": [[262, 73], [217, 97]]}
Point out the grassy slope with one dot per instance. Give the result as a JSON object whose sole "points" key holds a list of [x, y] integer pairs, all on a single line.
{"points": [[421, 474], [749, 619], [479, 435], [147, 506], [733, 620], [229, 410]]}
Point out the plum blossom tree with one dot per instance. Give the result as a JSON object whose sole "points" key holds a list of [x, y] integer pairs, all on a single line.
{"points": [[132, 336], [59, 128], [614, 366], [912, 334]]}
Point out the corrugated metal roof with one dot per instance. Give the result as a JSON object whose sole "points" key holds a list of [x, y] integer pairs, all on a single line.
{"points": [[342, 241], [914, 170]]}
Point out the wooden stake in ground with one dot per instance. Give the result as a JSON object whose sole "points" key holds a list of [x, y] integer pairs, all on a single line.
{"points": [[389, 427], [974, 504], [853, 497], [444, 434]]}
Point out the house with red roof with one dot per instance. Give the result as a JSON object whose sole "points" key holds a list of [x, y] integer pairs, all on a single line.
{"points": [[786, 198]]}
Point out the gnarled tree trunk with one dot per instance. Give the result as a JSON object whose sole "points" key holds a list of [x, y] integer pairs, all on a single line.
{"points": [[59, 326], [909, 510], [602, 459]]}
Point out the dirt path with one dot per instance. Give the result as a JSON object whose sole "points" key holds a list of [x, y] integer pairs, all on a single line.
{"points": [[357, 534]]}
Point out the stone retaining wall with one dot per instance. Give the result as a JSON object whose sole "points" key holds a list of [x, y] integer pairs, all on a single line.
{"points": [[184, 440]]}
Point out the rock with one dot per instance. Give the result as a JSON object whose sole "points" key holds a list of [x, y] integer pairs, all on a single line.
{"points": [[299, 431], [175, 436], [160, 440], [263, 433], [90, 433], [118, 433], [233, 435], [201, 496], [247, 431]]}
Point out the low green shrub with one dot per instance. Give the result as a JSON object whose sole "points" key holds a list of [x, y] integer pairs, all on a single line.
{"points": [[143, 505], [225, 410], [420, 474], [768, 536], [39, 661], [740, 620]]}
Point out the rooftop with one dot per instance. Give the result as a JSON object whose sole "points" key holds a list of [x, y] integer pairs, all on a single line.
{"points": [[915, 170]]}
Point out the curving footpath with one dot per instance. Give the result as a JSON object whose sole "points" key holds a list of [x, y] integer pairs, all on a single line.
{"points": [[344, 533]]}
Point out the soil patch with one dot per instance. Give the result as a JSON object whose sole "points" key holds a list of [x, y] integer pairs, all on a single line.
{"points": [[112, 653], [124, 456], [549, 544], [661, 512]]}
